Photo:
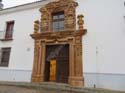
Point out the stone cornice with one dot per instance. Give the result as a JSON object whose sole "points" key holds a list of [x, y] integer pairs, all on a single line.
{"points": [[59, 34]]}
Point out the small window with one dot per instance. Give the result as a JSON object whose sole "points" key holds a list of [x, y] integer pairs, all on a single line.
{"points": [[5, 55], [58, 21], [9, 30]]}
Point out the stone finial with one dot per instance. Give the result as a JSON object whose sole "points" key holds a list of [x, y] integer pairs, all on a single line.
{"points": [[36, 26], [80, 22]]}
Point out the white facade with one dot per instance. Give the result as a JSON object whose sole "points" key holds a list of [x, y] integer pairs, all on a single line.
{"points": [[103, 45]]}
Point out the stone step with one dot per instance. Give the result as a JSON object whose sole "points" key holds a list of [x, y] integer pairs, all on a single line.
{"points": [[50, 87]]}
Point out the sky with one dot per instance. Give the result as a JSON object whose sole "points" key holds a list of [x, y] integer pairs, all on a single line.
{"points": [[11, 3]]}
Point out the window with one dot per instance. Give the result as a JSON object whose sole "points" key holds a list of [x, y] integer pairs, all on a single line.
{"points": [[58, 21], [5, 55], [9, 30]]}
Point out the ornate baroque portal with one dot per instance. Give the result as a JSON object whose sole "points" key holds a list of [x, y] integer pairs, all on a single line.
{"points": [[58, 45]]}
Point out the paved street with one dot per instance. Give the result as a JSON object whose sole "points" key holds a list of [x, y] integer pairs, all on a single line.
{"points": [[6, 87], [9, 89], [14, 89]]}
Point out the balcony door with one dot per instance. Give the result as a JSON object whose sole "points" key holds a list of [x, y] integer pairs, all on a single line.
{"points": [[9, 30]]}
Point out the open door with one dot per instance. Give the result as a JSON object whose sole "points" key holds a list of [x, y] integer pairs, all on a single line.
{"points": [[57, 64], [52, 70]]}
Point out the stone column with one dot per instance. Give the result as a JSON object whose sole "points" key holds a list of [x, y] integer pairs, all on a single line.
{"points": [[76, 77], [78, 63], [43, 59], [36, 66], [39, 61], [71, 60]]}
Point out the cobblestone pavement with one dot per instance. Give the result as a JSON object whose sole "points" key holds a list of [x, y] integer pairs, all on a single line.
{"points": [[9, 89], [14, 89]]}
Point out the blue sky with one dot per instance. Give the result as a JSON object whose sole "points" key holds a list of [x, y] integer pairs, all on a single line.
{"points": [[10, 3]]}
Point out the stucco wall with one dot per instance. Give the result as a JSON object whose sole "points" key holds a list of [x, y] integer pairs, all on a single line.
{"points": [[103, 47], [22, 44]]}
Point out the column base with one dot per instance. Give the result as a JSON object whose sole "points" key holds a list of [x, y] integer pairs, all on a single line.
{"points": [[37, 79], [76, 81]]}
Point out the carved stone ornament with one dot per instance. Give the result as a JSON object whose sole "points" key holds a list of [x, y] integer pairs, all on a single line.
{"points": [[36, 26], [68, 6], [69, 36], [44, 19], [80, 22]]}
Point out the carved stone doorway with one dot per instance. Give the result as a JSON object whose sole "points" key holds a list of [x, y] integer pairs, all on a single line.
{"points": [[57, 63], [46, 38]]}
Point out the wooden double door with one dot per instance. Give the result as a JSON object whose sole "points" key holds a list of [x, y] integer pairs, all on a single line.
{"points": [[57, 63]]}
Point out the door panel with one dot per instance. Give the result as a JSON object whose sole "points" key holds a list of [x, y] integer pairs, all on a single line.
{"points": [[47, 71], [62, 71], [52, 70]]}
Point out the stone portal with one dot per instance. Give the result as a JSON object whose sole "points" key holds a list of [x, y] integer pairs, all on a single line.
{"points": [[58, 45]]}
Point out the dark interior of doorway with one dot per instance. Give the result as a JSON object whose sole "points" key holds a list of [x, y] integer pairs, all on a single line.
{"points": [[60, 53]]}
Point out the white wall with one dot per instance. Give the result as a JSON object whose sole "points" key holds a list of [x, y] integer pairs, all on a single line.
{"points": [[106, 35], [107, 81], [103, 45], [22, 44], [22, 52], [14, 75]]}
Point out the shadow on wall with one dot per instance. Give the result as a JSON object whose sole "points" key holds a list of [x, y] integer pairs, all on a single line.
{"points": [[15, 75], [106, 81]]}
